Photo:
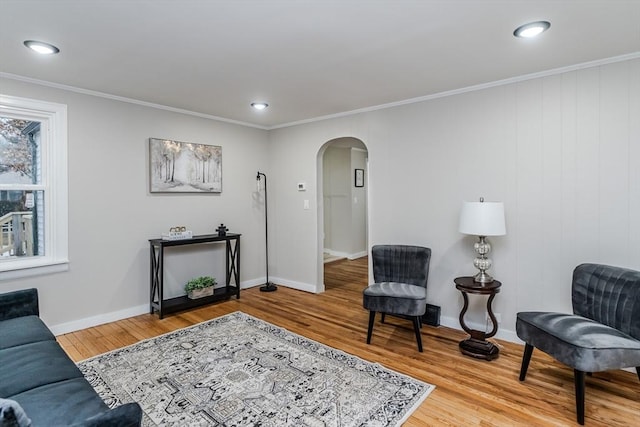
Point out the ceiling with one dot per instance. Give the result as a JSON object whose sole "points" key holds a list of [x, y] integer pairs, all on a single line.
{"points": [[307, 58]]}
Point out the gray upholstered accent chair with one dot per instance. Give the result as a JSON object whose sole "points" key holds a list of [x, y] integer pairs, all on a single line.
{"points": [[602, 334], [400, 273]]}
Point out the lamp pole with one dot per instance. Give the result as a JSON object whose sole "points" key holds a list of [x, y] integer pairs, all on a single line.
{"points": [[268, 286]]}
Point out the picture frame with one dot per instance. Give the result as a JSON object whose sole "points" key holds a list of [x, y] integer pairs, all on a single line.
{"points": [[359, 177], [184, 167]]}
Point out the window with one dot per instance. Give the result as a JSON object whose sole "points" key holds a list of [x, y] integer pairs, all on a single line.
{"points": [[33, 187]]}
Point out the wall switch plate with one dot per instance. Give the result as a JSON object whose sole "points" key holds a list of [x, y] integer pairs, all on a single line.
{"points": [[306, 204]]}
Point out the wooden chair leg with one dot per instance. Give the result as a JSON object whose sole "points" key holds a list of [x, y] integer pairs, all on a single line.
{"points": [[372, 316], [416, 328], [526, 358], [638, 371], [579, 380]]}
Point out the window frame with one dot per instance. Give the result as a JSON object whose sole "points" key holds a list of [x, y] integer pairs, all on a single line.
{"points": [[54, 183]]}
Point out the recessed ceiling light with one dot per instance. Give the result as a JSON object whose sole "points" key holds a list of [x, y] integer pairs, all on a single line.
{"points": [[41, 47], [259, 105], [532, 29]]}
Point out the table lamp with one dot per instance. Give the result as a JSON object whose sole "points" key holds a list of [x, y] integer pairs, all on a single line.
{"points": [[482, 219]]}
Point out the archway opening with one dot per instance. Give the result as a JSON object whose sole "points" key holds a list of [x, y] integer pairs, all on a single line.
{"points": [[343, 193]]}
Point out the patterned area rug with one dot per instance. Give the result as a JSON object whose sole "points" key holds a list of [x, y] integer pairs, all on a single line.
{"points": [[238, 370]]}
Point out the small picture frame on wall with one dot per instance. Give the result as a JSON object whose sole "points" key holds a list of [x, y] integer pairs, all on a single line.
{"points": [[359, 177]]}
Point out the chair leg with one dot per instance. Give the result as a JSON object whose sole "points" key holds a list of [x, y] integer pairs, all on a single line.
{"points": [[416, 328], [579, 380], [638, 371], [526, 358], [383, 315], [372, 316]]}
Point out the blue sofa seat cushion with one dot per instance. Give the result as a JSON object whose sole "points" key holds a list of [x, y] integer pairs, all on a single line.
{"points": [[577, 341], [28, 366], [23, 330], [61, 403], [395, 298]]}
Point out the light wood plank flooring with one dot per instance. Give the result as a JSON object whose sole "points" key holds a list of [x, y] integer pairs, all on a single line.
{"points": [[469, 392]]}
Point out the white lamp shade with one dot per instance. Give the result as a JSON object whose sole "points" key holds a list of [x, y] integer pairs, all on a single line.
{"points": [[482, 219]]}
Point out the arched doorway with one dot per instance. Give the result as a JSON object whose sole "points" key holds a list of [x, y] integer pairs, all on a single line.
{"points": [[342, 201]]}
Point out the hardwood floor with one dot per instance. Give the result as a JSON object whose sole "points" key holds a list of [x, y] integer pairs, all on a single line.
{"points": [[468, 392]]}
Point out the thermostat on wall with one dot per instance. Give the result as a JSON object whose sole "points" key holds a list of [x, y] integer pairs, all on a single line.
{"points": [[302, 186]]}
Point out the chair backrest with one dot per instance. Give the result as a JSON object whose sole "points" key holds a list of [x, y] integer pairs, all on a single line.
{"points": [[609, 295], [401, 263]]}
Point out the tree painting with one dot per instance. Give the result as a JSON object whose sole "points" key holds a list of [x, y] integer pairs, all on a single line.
{"points": [[184, 167]]}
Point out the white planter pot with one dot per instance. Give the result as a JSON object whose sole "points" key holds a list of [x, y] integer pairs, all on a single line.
{"points": [[199, 293]]}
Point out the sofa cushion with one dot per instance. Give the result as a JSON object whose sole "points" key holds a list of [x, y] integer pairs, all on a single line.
{"points": [[12, 414], [31, 365], [395, 298], [576, 341], [61, 403], [19, 303], [23, 330]]}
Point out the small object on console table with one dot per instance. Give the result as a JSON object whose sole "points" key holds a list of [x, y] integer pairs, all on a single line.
{"points": [[222, 230], [177, 233], [477, 345]]}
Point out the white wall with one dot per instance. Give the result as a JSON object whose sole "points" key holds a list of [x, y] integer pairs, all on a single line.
{"points": [[358, 205], [112, 214], [562, 152], [344, 204], [337, 200]]}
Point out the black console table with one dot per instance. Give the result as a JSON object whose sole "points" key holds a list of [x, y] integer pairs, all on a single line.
{"points": [[165, 306]]}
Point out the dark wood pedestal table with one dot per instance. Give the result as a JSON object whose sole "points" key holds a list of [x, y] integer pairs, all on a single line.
{"points": [[477, 345]]}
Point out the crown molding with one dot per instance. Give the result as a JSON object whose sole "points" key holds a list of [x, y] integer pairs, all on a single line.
{"points": [[474, 88]]}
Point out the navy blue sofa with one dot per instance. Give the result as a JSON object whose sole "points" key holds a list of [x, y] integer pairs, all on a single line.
{"points": [[36, 373]]}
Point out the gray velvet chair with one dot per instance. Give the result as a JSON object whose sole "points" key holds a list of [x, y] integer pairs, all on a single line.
{"points": [[602, 334], [400, 273]]}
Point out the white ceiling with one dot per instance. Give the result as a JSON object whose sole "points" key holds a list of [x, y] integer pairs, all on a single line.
{"points": [[306, 58]]}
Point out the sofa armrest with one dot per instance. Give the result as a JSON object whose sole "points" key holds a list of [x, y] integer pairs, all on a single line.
{"points": [[19, 303]]}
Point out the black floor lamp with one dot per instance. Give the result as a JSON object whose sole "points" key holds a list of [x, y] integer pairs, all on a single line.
{"points": [[268, 286]]}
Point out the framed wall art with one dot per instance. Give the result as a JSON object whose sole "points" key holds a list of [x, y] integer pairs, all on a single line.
{"points": [[184, 167], [359, 177]]}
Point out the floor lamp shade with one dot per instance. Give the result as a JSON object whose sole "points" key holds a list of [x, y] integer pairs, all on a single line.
{"points": [[482, 219]]}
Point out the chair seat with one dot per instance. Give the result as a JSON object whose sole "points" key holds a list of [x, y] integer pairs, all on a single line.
{"points": [[396, 298], [576, 341]]}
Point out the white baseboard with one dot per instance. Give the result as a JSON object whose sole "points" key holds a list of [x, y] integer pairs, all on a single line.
{"points": [[357, 255], [294, 285], [349, 256], [503, 334], [335, 253], [88, 322], [253, 283]]}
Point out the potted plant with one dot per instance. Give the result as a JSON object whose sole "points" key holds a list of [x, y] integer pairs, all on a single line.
{"points": [[200, 287]]}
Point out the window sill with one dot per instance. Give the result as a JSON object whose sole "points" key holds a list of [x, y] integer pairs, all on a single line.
{"points": [[29, 268]]}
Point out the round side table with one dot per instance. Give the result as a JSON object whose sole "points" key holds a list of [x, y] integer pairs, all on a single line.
{"points": [[477, 345]]}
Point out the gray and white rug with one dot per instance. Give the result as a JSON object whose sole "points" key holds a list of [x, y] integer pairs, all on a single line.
{"points": [[238, 370]]}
